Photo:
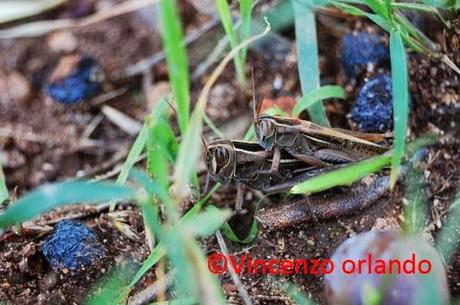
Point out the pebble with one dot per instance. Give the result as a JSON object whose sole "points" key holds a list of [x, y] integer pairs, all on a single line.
{"points": [[62, 41], [71, 246], [75, 79], [373, 108], [14, 87], [359, 50]]}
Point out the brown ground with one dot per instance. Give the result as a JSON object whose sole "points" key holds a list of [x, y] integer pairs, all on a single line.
{"points": [[45, 143]]}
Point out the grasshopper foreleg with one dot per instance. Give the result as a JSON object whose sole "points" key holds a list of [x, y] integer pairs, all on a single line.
{"points": [[276, 159], [239, 198]]}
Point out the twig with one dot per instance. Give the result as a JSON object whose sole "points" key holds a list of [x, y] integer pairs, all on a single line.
{"points": [[39, 28], [123, 121], [147, 63], [117, 157], [213, 57], [241, 289], [91, 127], [100, 99], [147, 295], [18, 134]]}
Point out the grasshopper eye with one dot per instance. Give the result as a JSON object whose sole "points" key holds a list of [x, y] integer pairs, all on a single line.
{"points": [[218, 162], [265, 132], [221, 157], [217, 159]]}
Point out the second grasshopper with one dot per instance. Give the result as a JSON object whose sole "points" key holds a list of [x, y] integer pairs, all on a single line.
{"points": [[314, 144]]}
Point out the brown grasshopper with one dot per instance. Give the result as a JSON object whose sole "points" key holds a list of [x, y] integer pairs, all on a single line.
{"points": [[249, 163], [314, 144]]}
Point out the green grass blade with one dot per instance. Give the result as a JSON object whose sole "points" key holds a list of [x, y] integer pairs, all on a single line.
{"points": [[389, 9], [343, 176], [245, 31], [159, 154], [379, 8], [162, 149], [195, 279], [312, 97], [355, 11], [112, 286], [160, 250], [354, 172], [3, 189], [296, 295], [419, 7], [206, 222], [307, 56], [133, 155], [189, 150], [12, 10], [149, 203], [445, 4], [52, 196], [447, 239], [225, 15], [154, 257], [415, 211], [400, 100], [176, 58], [231, 235], [138, 147]]}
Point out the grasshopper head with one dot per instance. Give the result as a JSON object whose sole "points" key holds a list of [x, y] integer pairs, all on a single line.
{"points": [[265, 128], [220, 160]]}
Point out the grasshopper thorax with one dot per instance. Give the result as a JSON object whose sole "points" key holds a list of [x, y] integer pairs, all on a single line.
{"points": [[265, 129], [220, 160]]}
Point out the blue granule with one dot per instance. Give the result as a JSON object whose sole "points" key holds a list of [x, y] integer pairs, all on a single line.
{"points": [[84, 81], [72, 245], [359, 50], [373, 108]]}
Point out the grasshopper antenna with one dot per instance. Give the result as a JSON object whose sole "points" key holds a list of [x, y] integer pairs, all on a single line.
{"points": [[204, 143], [208, 175], [256, 106], [171, 106]]}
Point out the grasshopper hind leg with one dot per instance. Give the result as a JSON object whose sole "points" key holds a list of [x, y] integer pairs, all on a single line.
{"points": [[310, 160], [334, 156]]}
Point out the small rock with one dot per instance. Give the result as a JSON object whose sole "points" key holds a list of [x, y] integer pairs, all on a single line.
{"points": [[72, 245], [74, 79], [14, 88], [6, 285], [361, 49], [63, 41], [373, 108]]}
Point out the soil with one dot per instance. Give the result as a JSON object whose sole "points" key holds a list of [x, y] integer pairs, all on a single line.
{"points": [[42, 141]]}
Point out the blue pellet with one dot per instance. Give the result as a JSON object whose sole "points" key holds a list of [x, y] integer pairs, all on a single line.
{"points": [[82, 83], [373, 108], [72, 245], [359, 50]]}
